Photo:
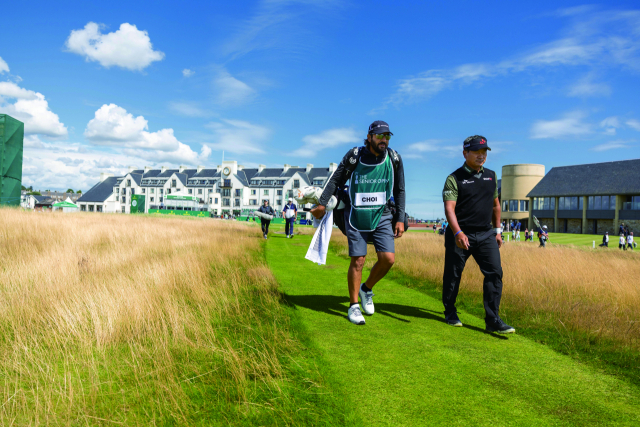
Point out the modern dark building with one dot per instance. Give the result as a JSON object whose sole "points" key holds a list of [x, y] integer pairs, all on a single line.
{"points": [[588, 199]]}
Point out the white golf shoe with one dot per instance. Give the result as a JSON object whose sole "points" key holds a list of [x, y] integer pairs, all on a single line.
{"points": [[366, 299], [355, 315]]}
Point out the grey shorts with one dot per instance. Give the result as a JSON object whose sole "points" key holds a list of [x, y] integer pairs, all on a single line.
{"points": [[382, 236]]}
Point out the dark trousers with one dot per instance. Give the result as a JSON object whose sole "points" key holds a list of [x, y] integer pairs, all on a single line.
{"points": [[265, 225], [288, 227], [484, 249]]}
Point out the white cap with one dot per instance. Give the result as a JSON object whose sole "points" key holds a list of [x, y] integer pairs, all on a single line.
{"points": [[290, 199], [544, 226]]}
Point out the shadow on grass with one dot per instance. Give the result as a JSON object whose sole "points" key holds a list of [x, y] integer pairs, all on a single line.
{"points": [[337, 306]]}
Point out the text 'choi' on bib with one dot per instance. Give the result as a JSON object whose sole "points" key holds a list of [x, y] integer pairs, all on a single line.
{"points": [[370, 199]]}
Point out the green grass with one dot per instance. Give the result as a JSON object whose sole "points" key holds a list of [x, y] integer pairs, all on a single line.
{"points": [[407, 367]]}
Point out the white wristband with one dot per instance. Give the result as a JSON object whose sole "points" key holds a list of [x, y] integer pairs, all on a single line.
{"points": [[498, 230]]}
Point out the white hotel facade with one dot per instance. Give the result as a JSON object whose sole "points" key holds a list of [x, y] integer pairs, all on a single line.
{"points": [[228, 189]]}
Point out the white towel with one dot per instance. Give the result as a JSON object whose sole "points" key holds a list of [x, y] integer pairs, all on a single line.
{"points": [[320, 243]]}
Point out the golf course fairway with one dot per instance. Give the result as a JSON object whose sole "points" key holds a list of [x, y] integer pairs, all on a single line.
{"points": [[406, 367]]}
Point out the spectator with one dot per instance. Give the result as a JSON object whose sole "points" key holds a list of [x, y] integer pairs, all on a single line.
{"points": [[526, 234], [517, 234], [630, 240], [621, 242]]}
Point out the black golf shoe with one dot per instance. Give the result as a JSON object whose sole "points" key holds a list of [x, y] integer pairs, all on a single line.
{"points": [[452, 320], [499, 327]]}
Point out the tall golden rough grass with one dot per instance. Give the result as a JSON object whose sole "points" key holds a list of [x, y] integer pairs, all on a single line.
{"points": [[591, 291], [104, 316]]}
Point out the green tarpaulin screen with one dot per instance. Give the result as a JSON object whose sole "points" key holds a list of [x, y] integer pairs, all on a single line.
{"points": [[11, 139], [137, 203]]}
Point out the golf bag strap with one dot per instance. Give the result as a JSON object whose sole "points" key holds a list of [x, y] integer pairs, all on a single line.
{"points": [[356, 152]]}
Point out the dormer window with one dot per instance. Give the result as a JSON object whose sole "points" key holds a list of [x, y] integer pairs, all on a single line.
{"points": [[128, 183]]}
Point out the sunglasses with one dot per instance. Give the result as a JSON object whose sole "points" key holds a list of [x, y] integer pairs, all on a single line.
{"points": [[382, 136]]}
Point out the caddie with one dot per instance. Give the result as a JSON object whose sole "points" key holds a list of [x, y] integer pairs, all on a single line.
{"points": [[471, 206], [264, 223], [374, 173]]}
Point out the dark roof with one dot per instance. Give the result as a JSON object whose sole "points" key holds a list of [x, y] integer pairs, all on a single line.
{"points": [[207, 173], [182, 177], [152, 173], [100, 192], [137, 177], [242, 177], [40, 199], [167, 173], [610, 178]]}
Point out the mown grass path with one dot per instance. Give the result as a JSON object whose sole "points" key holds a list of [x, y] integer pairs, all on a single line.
{"points": [[406, 367]]}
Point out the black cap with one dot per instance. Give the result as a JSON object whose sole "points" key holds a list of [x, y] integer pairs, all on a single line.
{"points": [[379, 127], [475, 143]]}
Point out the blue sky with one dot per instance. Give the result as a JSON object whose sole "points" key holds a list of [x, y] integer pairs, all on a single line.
{"points": [[102, 87]]}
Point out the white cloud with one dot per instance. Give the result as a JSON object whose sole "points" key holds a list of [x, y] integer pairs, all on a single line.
{"points": [[425, 146], [239, 137], [326, 139], [67, 161], [611, 145], [188, 109], [113, 126], [231, 91], [183, 155], [610, 124], [435, 146], [32, 109], [634, 124], [585, 87], [127, 47], [279, 25], [569, 126], [592, 39], [4, 67], [187, 72]]}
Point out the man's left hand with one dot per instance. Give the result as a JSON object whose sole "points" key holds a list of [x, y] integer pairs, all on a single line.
{"points": [[399, 231], [499, 240]]}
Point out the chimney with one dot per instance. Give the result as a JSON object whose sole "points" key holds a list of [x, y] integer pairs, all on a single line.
{"points": [[181, 168], [332, 167], [286, 168], [200, 168], [104, 176], [240, 167], [309, 167], [261, 168], [147, 169], [131, 169], [218, 168], [162, 169]]}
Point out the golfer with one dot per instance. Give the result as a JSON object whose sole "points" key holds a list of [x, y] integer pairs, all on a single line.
{"points": [[289, 212], [471, 205], [375, 173], [264, 223]]}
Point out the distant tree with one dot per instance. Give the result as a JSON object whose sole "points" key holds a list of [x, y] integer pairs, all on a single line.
{"points": [[23, 188], [34, 193], [79, 192], [69, 190]]}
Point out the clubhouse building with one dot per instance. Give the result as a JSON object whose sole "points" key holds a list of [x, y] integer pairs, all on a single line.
{"points": [[229, 189], [588, 199]]}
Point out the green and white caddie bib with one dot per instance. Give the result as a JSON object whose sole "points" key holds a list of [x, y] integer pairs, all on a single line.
{"points": [[370, 188]]}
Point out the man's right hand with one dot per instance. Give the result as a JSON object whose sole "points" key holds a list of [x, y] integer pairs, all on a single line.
{"points": [[318, 212], [462, 241]]}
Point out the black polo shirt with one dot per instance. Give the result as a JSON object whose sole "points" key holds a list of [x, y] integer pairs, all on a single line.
{"points": [[474, 193]]}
